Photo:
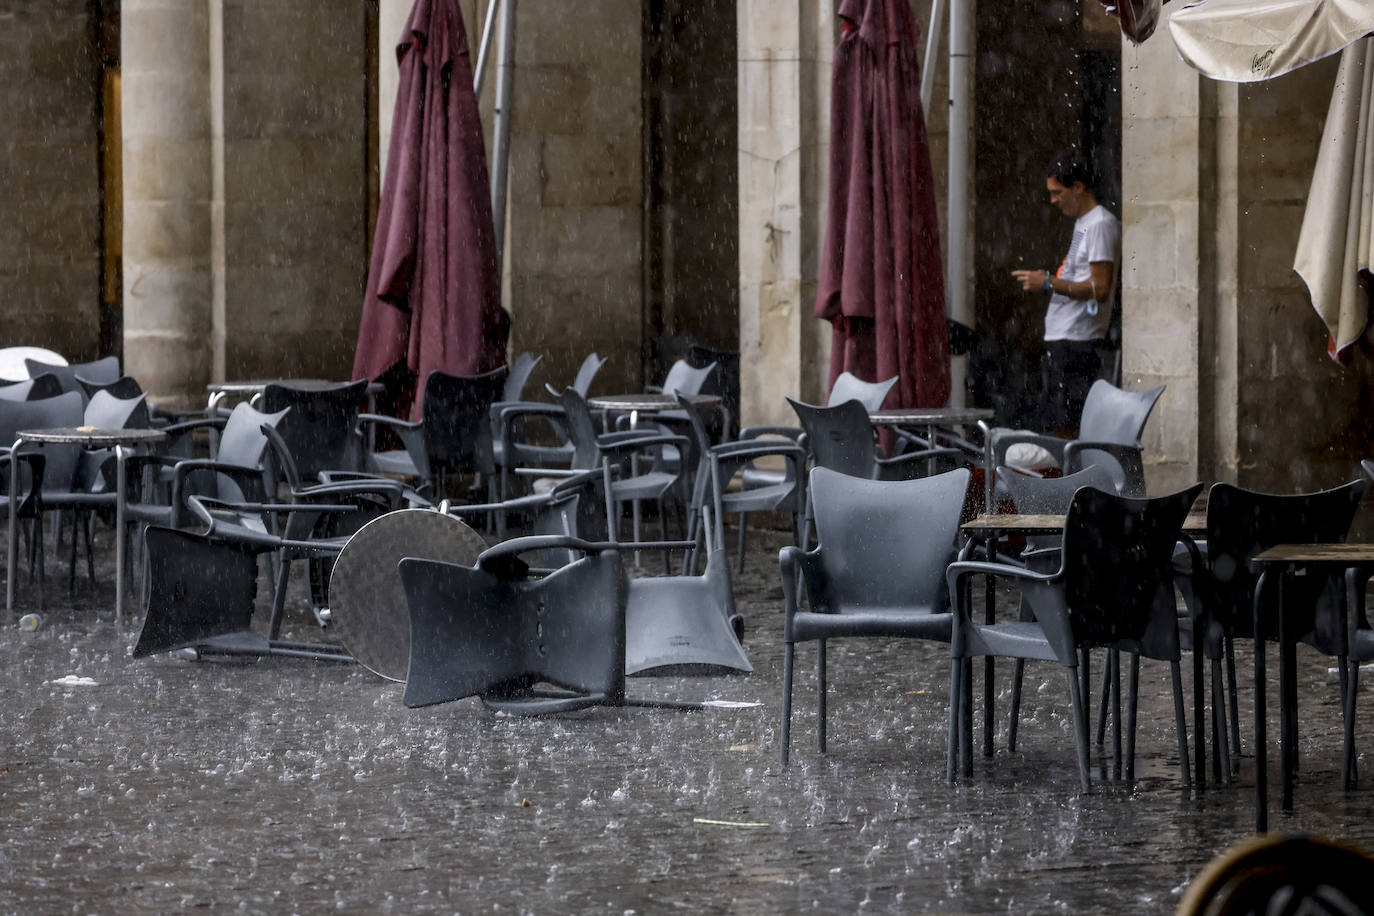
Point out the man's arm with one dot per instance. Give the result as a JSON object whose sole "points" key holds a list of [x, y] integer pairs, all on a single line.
{"points": [[1098, 286]]}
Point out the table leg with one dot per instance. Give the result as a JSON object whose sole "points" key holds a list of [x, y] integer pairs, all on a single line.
{"points": [[1261, 738], [989, 684], [987, 466], [12, 560], [1288, 703], [120, 547], [1199, 716]]}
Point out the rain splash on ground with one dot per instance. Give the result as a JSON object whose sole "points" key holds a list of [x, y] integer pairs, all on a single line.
{"points": [[284, 785]]}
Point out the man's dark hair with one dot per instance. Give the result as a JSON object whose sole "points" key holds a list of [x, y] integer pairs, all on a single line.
{"points": [[1071, 166]]}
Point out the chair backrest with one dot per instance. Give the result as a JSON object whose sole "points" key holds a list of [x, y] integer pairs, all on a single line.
{"points": [[63, 411], [457, 420], [106, 411], [581, 430], [475, 631], [519, 376], [126, 386], [839, 437], [1113, 415], [16, 391], [1051, 495], [321, 431], [242, 441], [591, 365], [725, 381], [1118, 569], [684, 378], [849, 387], [885, 544], [1242, 523], [101, 370]]}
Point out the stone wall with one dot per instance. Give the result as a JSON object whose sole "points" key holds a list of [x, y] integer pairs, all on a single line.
{"points": [[295, 186], [1216, 178], [49, 177]]}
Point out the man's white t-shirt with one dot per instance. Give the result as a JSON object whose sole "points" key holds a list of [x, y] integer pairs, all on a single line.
{"points": [[1096, 237]]}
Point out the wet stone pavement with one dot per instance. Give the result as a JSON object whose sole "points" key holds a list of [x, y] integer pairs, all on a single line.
{"points": [[284, 785]]}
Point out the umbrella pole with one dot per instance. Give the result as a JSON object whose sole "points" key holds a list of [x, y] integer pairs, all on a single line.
{"points": [[937, 15], [487, 28], [500, 152], [956, 274]]}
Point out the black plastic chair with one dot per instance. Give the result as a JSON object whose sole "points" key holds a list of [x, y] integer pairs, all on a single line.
{"points": [[453, 435], [100, 370], [1114, 589], [321, 430], [1050, 496], [40, 467], [31, 389], [877, 569], [1240, 524], [1109, 434]]}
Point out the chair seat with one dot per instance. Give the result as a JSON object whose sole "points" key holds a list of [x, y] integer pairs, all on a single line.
{"points": [[753, 478], [1016, 639], [903, 622], [397, 461], [759, 499]]}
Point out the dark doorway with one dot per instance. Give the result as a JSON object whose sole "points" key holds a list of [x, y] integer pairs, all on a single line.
{"points": [[691, 174]]}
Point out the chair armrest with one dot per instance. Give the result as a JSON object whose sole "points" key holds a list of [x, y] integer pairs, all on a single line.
{"points": [[756, 449], [1003, 438], [797, 566], [184, 468], [907, 458], [632, 443], [389, 422], [787, 432], [1127, 455]]}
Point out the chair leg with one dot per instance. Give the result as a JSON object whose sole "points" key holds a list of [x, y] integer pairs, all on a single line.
{"points": [[1132, 707], [955, 702], [820, 695], [663, 534], [1015, 704], [1080, 726], [87, 530], [1199, 714], [786, 737], [1114, 668], [1180, 723], [1352, 685], [1221, 742], [1105, 699], [283, 578], [71, 561], [1234, 707], [743, 527], [966, 716]]}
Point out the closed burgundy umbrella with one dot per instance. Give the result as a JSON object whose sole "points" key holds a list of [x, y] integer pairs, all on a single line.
{"points": [[881, 280], [433, 293]]}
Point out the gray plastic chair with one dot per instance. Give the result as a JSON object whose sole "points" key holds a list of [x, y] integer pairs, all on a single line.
{"points": [[1114, 589], [877, 569], [717, 465], [519, 377], [1109, 434]]}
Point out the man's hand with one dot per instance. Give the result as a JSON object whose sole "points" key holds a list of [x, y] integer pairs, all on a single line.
{"points": [[1031, 280]]}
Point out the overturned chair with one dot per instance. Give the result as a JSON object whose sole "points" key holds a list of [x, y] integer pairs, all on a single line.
{"points": [[499, 630]]}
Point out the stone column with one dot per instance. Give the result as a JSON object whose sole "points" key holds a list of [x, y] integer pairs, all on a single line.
{"points": [[168, 195], [785, 53]]}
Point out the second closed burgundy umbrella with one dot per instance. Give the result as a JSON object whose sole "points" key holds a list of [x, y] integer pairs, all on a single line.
{"points": [[881, 280], [433, 296]]}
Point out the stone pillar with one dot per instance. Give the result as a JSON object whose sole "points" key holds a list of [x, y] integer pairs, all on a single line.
{"points": [[168, 195], [574, 262], [1165, 141], [785, 52]]}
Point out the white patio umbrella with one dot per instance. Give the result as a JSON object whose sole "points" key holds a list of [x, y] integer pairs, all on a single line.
{"points": [[1247, 40], [1336, 245]]}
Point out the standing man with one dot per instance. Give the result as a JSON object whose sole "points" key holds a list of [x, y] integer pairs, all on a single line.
{"points": [[1082, 291]]}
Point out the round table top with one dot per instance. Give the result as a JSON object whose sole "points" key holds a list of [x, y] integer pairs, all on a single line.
{"points": [[367, 602], [93, 437], [650, 401], [256, 386], [931, 415]]}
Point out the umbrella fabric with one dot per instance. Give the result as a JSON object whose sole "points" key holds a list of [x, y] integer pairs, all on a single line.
{"points": [[881, 281], [1248, 40], [433, 295], [1336, 245]]}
